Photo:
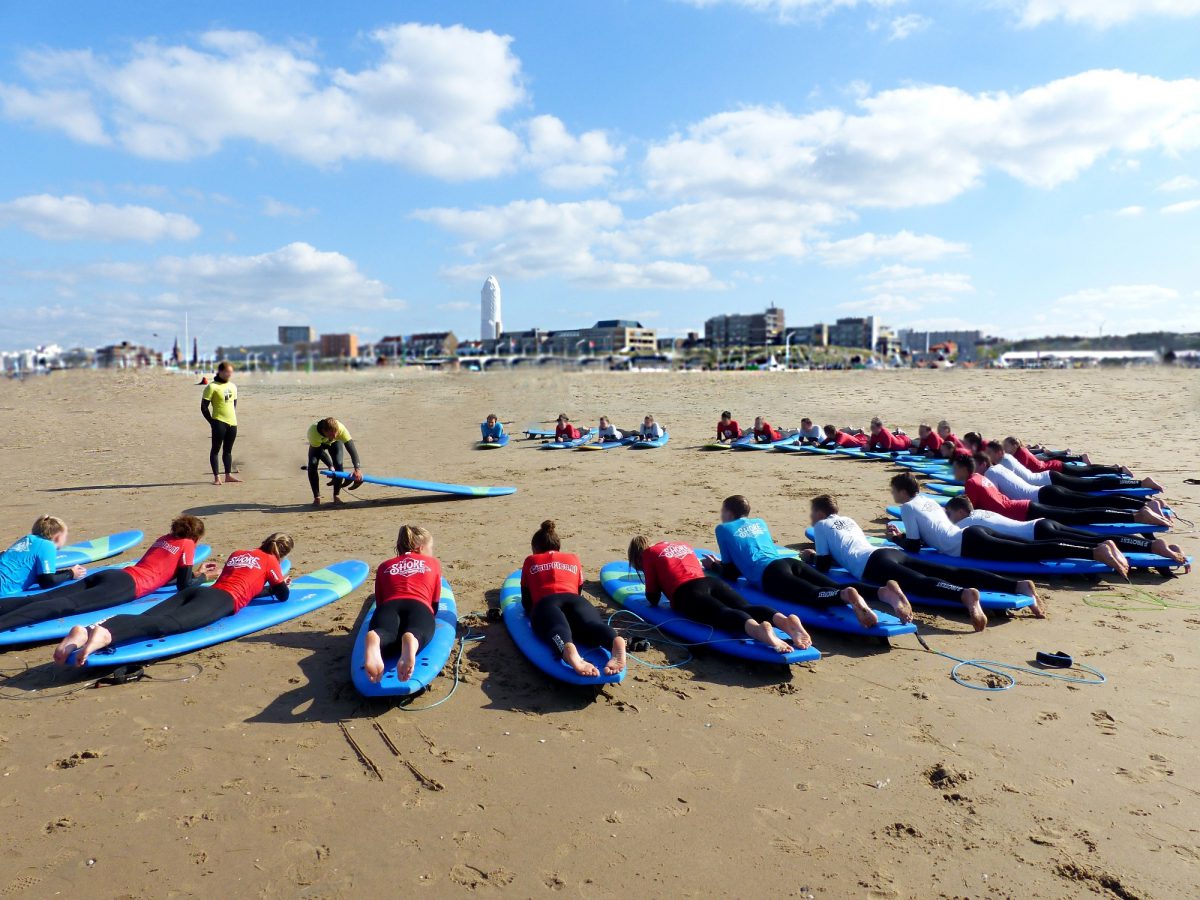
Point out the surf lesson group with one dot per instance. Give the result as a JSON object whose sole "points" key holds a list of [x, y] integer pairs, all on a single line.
{"points": [[973, 521]]}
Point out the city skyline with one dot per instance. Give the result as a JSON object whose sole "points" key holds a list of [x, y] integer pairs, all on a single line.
{"points": [[1023, 168]]}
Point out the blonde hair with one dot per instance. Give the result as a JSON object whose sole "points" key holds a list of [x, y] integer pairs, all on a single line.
{"points": [[48, 527], [412, 538], [637, 547], [278, 545]]}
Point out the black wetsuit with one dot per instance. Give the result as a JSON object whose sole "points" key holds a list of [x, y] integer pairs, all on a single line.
{"points": [[191, 608], [710, 601], [392, 620], [331, 456]]}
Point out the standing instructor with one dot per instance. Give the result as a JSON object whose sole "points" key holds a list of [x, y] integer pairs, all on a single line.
{"points": [[218, 405]]}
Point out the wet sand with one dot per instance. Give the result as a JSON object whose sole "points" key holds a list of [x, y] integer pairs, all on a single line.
{"points": [[869, 773]]}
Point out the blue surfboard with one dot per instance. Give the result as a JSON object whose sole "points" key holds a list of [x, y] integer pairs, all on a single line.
{"points": [[830, 618], [431, 658], [1109, 528], [308, 593], [606, 445], [585, 438], [437, 487], [650, 445], [943, 490], [1048, 567], [54, 629], [86, 552], [493, 445], [989, 600], [203, 552], [538, 651], [625, 586], [802, 448]]}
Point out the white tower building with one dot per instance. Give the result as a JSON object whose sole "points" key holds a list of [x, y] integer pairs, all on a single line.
{"points": [[490, 325]]}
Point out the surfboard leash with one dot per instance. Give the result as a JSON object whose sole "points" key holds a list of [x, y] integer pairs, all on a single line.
{"points": [[467, 637], [993, 667]]}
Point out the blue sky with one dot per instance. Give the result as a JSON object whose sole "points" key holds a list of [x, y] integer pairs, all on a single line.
{"points": [[1023, 166]]}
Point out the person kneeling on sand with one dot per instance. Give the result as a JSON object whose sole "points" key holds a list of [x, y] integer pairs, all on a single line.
{"points": [[672, 569], [407, 590], [839, 540], [551, 585]]}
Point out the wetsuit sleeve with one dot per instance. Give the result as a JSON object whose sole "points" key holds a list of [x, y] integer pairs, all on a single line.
{"points": [[823, 562], [911, 541], [204, 410], [279, 588], [437, 587], [50, 579], [353, 451], [724, 547], [653, 590]]}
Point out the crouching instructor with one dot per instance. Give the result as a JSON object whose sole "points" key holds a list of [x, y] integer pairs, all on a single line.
{"points": [[326, 439]]}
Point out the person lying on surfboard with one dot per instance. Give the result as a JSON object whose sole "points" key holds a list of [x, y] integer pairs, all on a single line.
{"points": [[564, 431], [840, 541], [551, 582], [926, 523], [407, 590], [672, 570], [984, 493], [246, 575], [835, 437], [960, 511], [169, 557], [491, 430], [809, 433], [929, 442], [946, 433], [650, 430], [1016, 448], [997, 456], [1015, 487], [728, 429], [32, 561], [764, 433], [747, 549], [884, 440], [607, 433], [326, 438]]}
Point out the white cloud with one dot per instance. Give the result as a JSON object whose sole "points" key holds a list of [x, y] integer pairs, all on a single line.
{"points": [[903, 27], [1179, 183], [582, 242], [1118, 309], [1103, 13], [895, 289], [1185, 206], [791, 10], [566, 161], [69, 218], [1130, 212], [927, 144], [902, 245], [433, 101], [277, 209], [231, 298]]}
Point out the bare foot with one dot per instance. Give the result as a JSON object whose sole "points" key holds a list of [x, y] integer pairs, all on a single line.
{"points": [[1147, 516], [891, 594], [1172, 551], [1029, 589], [1152, 484], [865, 615], [765, 634], [571, 657], [73, 641], [1085, 459], [232, 479], [616, 662], [970, 600], [373, 664], [338, 499], [1108, 554], [98, 638], [217, 480], [316, 501], [794, 629], [408, 656]]}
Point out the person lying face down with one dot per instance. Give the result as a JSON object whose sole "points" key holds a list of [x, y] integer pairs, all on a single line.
{"points": [[984, 493], [32, 561], [809, 433], [926, 523], [551, 585], [764, 433], [650, 430], [728, 428], [881, 439], [408, 588], [672, 569], [565, 431], [835, 437], [747, 549], [840, 540], [492, 429], [929, 442]]}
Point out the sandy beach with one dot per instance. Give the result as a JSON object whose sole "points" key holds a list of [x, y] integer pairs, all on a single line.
{"points": [[867, 774]]}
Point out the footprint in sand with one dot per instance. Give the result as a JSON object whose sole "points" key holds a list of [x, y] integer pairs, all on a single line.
{"points": [[1105, 722], [1156, 771]]}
